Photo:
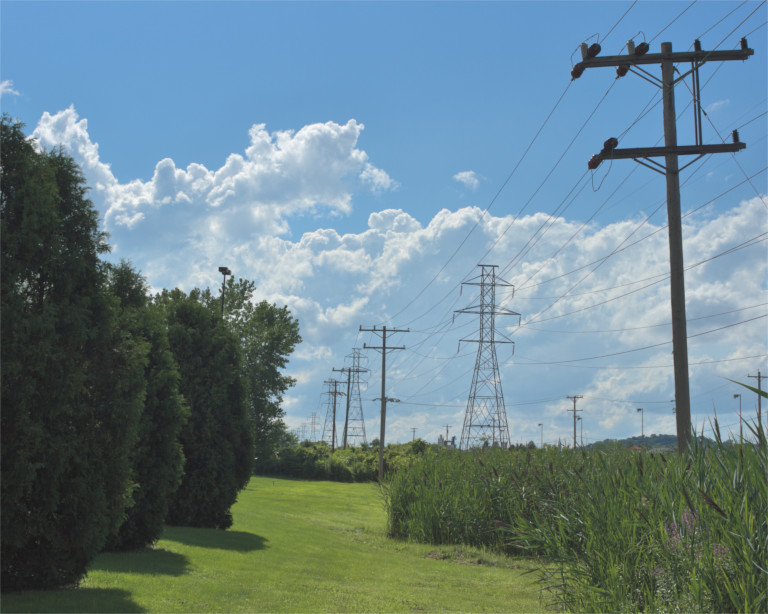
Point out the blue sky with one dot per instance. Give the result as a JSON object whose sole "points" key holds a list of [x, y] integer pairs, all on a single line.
{"points": [[342, 155]]}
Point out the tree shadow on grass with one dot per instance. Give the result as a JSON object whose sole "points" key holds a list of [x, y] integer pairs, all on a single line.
{"points": [[71, 600], [146, 561], [239, 541]]}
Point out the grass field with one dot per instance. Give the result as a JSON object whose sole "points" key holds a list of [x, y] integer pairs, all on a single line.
{"points": [[295, 546]]}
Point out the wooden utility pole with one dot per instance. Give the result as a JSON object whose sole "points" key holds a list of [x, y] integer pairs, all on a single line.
{"points": [[759, 379], [383, 349], [631, 62], [574, 410]]}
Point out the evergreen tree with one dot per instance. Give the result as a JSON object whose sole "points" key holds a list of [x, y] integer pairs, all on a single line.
{"points": [[72, 380], [216, 440], [157, 459]]}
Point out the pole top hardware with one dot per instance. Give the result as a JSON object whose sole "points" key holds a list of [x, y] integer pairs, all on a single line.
{"points": [[638, 54]]}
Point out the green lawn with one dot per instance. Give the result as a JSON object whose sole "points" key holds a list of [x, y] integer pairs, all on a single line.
{"points": [[295, 546]]}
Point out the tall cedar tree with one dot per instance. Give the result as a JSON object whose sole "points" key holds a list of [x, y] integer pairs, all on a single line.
{"points": [[157, 458], [268, 335], [216, 440], [72, 378]]}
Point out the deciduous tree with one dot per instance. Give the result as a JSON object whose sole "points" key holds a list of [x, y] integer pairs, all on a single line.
{"points": [[268, 335]]}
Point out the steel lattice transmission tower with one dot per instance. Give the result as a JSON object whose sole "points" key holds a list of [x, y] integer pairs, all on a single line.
{"points": [[486, 417], [329, 426], [354, 424]]}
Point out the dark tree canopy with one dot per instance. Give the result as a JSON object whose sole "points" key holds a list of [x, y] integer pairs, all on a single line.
{"points": [[72, 379], [216, 440], [157, 459]]}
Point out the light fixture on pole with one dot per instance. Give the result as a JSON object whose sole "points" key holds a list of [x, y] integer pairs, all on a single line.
{"points": [[642, 420], [224, 271]]}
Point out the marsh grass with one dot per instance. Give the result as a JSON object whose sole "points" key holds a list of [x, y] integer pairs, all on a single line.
{"points": [[625, 530]]}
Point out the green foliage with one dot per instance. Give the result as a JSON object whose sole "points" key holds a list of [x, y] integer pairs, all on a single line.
{"points": [[157, 459], [314, 460], [72, 376], [626, 530], [216, 439], [268, 336]]}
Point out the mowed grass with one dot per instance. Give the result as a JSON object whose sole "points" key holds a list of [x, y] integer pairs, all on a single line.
{"points": [[296, 546]]}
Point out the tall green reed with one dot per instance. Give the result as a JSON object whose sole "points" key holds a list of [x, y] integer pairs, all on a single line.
{"points": [[624, 530]]}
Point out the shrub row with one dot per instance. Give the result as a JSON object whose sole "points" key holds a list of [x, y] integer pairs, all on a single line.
{"points": [[314, 461]]}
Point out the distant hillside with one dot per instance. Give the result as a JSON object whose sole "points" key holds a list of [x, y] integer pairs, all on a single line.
{"points": [[652, 442]]}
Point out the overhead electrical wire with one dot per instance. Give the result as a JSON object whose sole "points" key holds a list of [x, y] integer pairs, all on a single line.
{"points": [[442, 326], [504, 184], [645, 347], [660, 32], [633, 367], [490, 204], [646, 327]]}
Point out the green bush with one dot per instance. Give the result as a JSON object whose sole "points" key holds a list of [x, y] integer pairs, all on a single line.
{"points": [[314, 460]]}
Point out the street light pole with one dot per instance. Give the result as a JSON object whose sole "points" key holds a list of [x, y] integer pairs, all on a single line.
{"points": [[741, 432], [224, 271], [542, 435], [642, 421]]}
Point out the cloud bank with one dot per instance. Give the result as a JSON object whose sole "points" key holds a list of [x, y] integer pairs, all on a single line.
{"points": [[586, 293]]}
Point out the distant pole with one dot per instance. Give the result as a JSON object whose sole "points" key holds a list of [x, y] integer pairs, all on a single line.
{"points": [[574, 410], [224, 271], [541, 426], [447, 426], [741, 433], [759, 407], [413, 433], [642, 422]]}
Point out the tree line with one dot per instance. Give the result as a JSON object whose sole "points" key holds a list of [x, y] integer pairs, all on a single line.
{"points": [[121, 410]]}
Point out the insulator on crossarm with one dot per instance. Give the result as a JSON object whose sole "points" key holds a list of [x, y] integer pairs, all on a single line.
{"points": [[593, 50], [594, 162], [610, 144], [631, 47], [697, 45], [622, 70], [744, 45], [735, 136], [577, 71], [642, 48], [583, 48]]}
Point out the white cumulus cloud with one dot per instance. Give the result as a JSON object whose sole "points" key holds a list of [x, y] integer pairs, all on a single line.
{"points": [[468, 179], [6, 87]]}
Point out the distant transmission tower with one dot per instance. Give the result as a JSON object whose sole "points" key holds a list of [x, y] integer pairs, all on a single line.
{"points": [[485, 420], [313, 427], [354, 424], [329, 426]]}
